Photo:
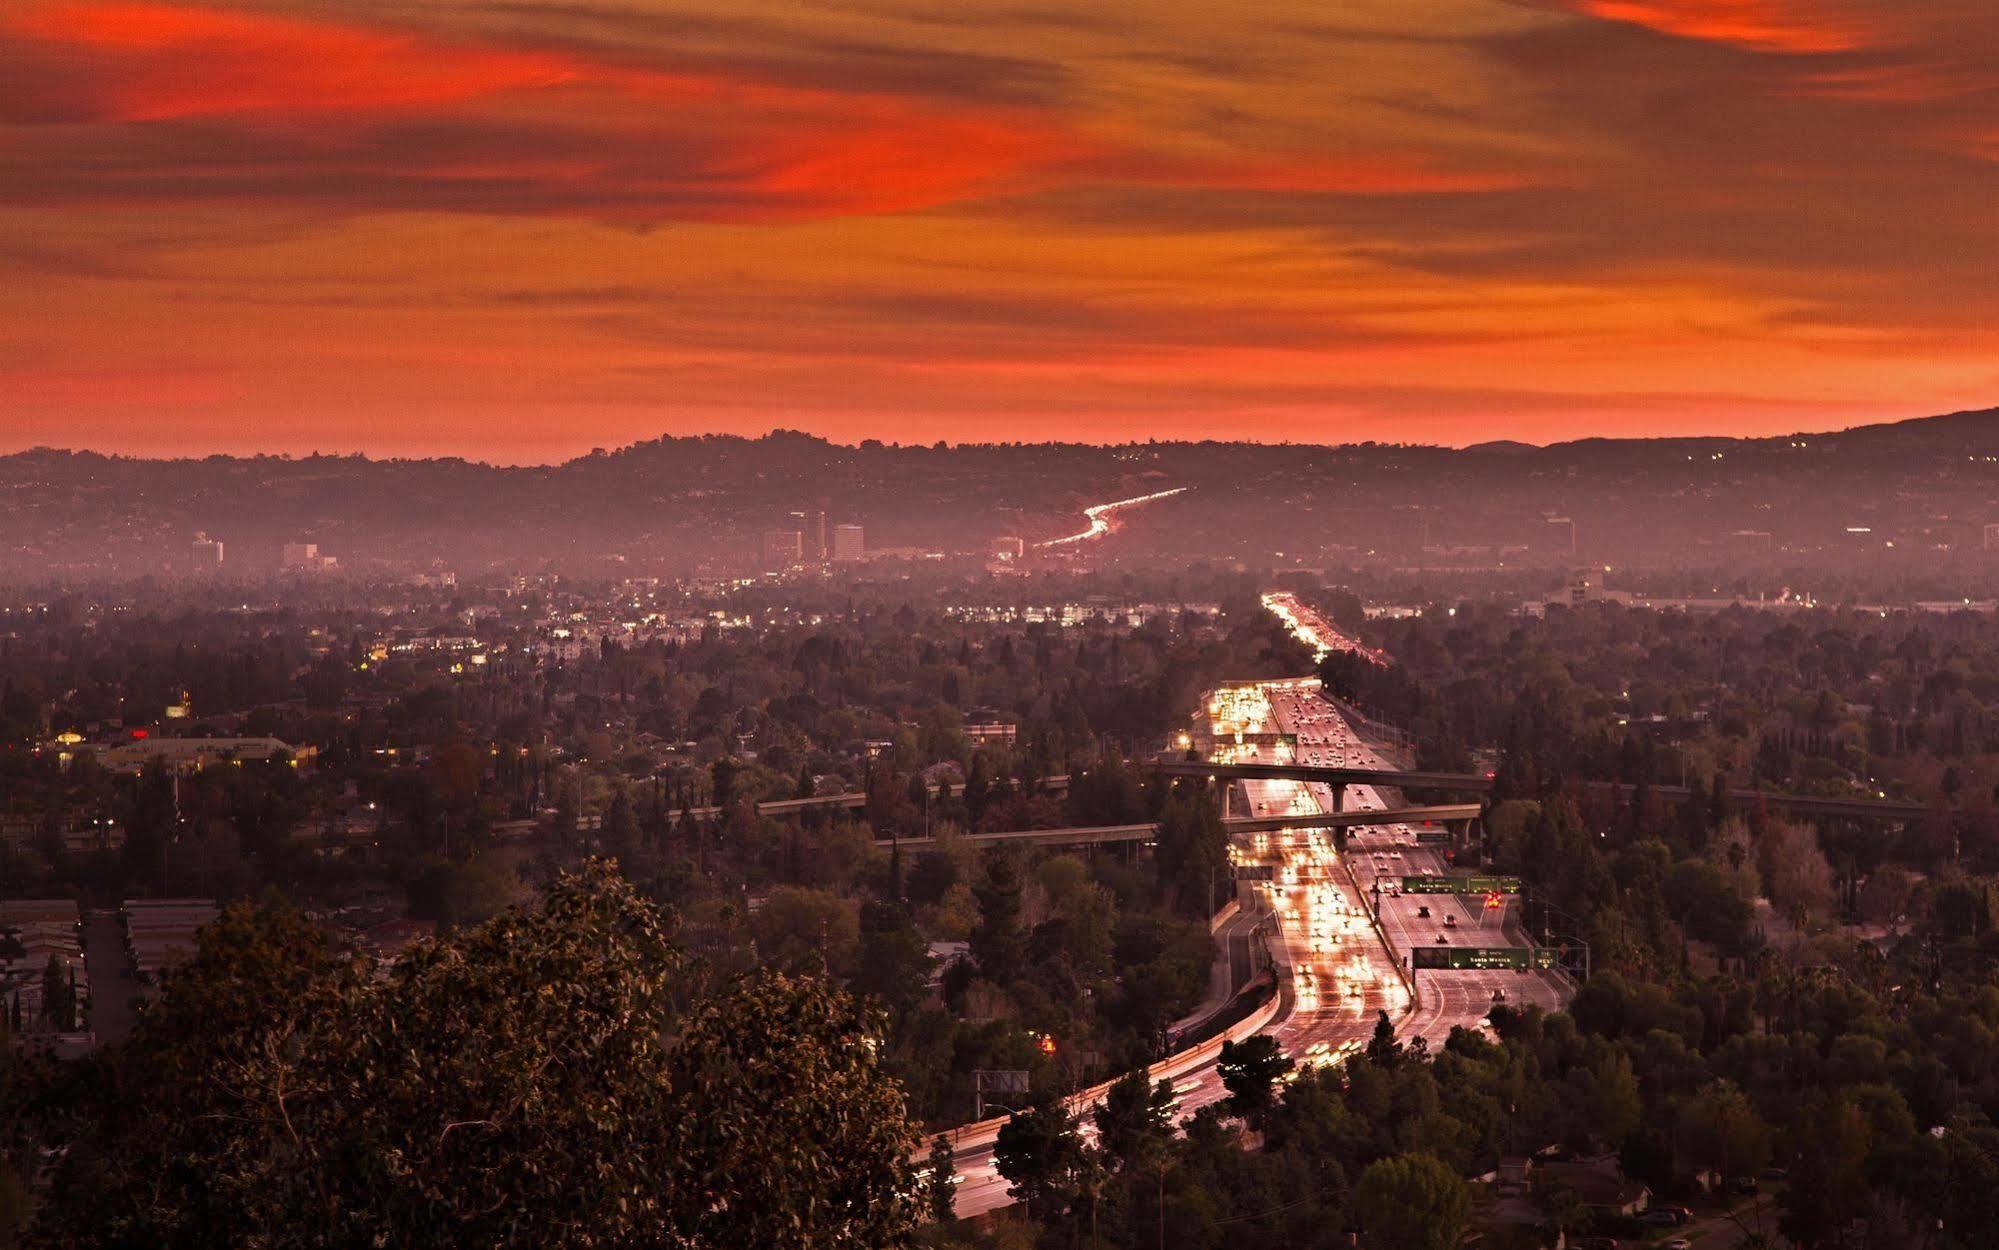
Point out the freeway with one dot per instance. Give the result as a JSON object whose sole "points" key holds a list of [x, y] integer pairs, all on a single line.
{"points": [[1444, 999], [1336, 969], [1334, 975], [1195, 1085], [1337, 974], [1100, 517], [1314, 631]]}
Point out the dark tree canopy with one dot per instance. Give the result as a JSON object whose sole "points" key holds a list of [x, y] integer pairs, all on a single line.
{"points": [[529, 1082]]}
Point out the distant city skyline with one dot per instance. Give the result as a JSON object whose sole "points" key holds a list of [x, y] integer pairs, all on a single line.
{"points": [[517, 232]]}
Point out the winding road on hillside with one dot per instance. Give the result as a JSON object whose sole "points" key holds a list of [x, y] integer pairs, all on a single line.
{"points": [[1102, 517]]}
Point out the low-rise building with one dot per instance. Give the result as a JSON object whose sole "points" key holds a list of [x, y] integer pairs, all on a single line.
{"points": [[187, 755], [992, 731], [34, 931], [305, 558], [160, 932]]}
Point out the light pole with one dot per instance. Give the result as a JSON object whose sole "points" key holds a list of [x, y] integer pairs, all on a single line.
{"points": [[1547, 934]]}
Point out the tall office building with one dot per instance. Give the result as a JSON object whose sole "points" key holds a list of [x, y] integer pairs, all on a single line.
{"points": [[848, 544], [206, 552], [782, 549], [812, 548]]}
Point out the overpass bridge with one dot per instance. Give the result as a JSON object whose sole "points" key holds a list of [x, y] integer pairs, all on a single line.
{"points": [[516, 830], [854, 800], [1339, 778], [1085, 835]]}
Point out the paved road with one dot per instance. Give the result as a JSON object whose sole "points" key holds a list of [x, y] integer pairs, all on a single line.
{"points": [[113, 985], [1729, 1231], [1387, 853]]}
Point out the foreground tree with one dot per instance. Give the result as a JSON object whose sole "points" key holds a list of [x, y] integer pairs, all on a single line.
{"points": [[786, 1132], [157, 1131], [516, 1084]]}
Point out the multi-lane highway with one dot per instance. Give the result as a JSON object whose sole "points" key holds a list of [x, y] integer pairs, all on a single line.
{"points": [[1336, 972], [1384, 855]]}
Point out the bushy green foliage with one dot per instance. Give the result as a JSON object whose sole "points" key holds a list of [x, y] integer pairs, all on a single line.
{"points": [[530, 1082]]}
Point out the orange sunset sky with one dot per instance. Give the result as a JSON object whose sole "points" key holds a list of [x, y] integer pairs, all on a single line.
{"points": [[518, 229]]}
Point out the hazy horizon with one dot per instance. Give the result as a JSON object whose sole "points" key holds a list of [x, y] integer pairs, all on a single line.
{"points": [[444, 453]]}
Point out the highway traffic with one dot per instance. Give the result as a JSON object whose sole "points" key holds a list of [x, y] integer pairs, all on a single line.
{"points": [[1382, 856], [1337, 969]]}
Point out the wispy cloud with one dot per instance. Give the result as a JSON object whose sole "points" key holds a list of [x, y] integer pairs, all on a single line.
{"points": [[586, 219], [1789, 26]]}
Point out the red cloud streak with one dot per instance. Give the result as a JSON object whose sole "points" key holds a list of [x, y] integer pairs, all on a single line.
{"points": [[154, 62], [650, 143], [1790, 26]]}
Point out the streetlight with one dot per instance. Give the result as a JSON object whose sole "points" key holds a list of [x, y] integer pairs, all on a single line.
{"points": [[1546, 934]]}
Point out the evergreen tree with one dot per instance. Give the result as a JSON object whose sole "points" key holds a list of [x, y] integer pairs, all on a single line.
{"points": [[1250, 1070], [998, 940], [1382, 1049], [940, 1182]]}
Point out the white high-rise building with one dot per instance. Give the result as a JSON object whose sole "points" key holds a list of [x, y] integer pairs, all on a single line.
{"points": [[848, 544]]}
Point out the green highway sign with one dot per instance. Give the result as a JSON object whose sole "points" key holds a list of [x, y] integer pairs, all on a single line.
{"points": [[1427, 885], [1461, 885], [1432, 837], [1482, 957]]}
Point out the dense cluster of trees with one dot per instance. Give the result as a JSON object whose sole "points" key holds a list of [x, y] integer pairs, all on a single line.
{"points": [[558, 1076], [1375, 1147], [424, 762], [1769, 999], [438, 753], [1821, 701], [1870, 1102], [580, 1063]]}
